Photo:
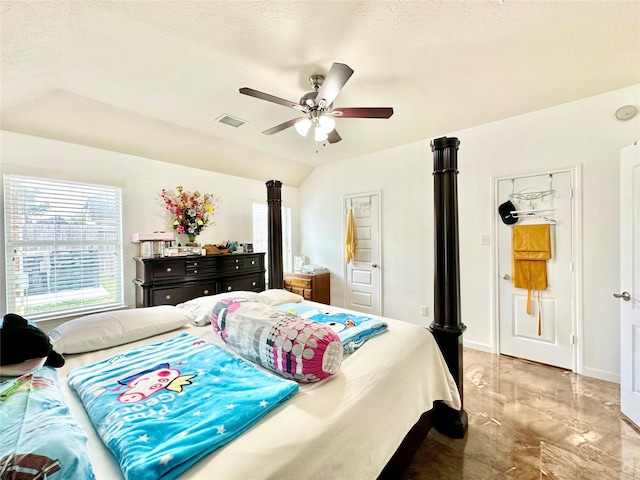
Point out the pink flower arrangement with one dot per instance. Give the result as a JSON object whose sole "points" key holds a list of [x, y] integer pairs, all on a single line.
{"points": [[191, 212]]}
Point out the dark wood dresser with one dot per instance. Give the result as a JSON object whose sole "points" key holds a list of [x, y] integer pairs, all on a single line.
{"points": [[312, 287], [173, 280]]}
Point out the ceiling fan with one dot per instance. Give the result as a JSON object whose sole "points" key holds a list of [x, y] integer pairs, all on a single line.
{"points": [[318, 106]]}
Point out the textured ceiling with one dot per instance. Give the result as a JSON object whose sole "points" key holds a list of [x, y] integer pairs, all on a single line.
{"points": [[150, 78]]}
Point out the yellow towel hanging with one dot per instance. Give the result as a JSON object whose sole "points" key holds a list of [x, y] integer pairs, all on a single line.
{"points": [[350, 240], [531, 245]]}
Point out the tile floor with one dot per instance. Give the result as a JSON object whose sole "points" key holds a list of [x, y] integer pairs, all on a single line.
{"points": [[531, 421]]}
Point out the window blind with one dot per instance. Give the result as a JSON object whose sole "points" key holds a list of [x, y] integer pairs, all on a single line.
{"points": [[261, 234], [63, 245]]}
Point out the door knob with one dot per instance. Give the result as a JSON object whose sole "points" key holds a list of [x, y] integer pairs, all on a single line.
{"points": [[374, 265], [624, 295], [506, 276]]}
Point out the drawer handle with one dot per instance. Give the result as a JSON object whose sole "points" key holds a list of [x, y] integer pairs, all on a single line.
{"points": [[253, 262], [195, 264], [168, 269], [237, 267], [206, 292], [195, 271], [253, 284], [167, 297], [229, 288], [237, 260]]}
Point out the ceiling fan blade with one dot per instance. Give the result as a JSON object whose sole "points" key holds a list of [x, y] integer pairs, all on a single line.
{"points": [[271, 98], [333, 83], [363, 112], [282, 126], [333, 136]]}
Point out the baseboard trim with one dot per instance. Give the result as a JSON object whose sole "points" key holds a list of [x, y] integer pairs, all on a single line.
{"points": [[598, 373], [601, 374], [483, 347]]}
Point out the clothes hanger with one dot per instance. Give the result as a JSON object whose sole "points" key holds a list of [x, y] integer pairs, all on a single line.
{"points": [[532, 197]]}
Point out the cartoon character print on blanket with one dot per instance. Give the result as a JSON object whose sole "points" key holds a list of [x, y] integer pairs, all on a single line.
{"points": [[38, 436], [152, 380], [353, 330], [161, 407], [27, 466]]}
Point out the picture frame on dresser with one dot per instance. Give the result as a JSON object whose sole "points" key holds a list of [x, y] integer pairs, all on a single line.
{"points": [[173, 280]]}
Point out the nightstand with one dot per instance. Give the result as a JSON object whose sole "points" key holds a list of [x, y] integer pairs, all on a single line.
{"points": [[316, 287]]}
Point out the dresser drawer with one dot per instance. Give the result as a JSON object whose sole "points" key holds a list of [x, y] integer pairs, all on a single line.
{"points": [[169, 269], [253, 263], [195, 268], [232, 265], [297, 282], [173, 296], [252, 283], [303, 292]]}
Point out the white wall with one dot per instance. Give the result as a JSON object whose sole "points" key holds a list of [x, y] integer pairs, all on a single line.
{"points": [[141, 180], [583, 132]]}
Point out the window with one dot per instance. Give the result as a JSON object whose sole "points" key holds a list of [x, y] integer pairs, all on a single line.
{"points": [[63, 246], [261, 234]]}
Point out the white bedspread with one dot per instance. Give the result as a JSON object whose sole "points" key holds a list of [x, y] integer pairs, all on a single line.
{"points": [[346, 427]]}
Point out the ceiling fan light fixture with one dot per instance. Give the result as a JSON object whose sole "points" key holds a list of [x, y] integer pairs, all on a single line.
{"points": [[317, 106], [319, 135], [327, 124], [302, 126]]}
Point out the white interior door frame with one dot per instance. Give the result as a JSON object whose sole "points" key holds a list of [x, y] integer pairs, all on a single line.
{"points": [[379, 261], [577, 248], [629, 275]]}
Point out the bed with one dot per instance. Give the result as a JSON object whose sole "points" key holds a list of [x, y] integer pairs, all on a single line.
{"points": [[347, 426], [364, 422]]}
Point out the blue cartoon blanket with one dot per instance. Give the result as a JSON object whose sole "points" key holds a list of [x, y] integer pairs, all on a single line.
{"points": [[161, 407], [353, 330], [38, 436]]}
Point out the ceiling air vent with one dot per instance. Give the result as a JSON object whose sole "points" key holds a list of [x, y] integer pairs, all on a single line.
{"points": [[229, 120]]}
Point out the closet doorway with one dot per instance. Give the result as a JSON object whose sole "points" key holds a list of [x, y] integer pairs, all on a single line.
{"points": [[363, 276], [548, 332]]}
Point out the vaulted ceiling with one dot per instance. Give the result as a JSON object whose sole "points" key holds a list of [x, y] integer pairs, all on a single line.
{"points": [[150, 78]]}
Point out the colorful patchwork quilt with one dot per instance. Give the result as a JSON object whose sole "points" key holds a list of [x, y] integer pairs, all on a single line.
{"points": [[161, 407], [38, 437], [353, 330]]}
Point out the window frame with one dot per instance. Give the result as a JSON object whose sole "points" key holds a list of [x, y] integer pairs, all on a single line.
{"points": [[260, 245], [63, 247]]}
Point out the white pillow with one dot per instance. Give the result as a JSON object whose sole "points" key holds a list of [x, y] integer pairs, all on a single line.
{"points": [[201, 307], [278, 296], [108, 329]]}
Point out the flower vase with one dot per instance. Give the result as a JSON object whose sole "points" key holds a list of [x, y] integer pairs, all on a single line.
{"points": [[192, 240]]}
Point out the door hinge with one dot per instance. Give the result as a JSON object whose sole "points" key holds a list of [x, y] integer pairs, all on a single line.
{"points": [[571, 192], [571, 266], [573, 339]]}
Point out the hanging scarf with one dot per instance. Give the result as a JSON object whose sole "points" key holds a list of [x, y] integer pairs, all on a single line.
{"points": [[350, 240]]}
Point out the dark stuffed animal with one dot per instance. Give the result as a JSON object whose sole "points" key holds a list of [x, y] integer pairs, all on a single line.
{"points": [[24, 347]]}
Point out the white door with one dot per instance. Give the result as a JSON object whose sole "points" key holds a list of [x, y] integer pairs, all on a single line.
{"points": [[363, 275], [550, 195], [629, 293]]}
